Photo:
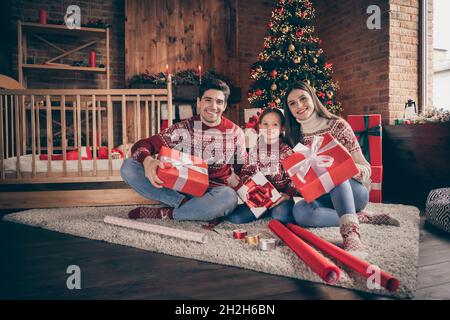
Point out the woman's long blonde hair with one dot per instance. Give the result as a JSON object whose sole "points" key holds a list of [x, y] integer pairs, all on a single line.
{"points": [[293, 128]]}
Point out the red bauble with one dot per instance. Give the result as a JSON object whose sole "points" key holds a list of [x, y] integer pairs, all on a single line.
{"points": [[299, 33], [272, 104], [328, 65], [270, 24], [274, 73], [321, 94], [280, 10], [258, 92]]}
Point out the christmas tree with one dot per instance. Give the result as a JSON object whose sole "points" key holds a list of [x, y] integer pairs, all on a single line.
{"points": [[291, 53]]}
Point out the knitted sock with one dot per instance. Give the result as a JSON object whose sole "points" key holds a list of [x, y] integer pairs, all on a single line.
{"points": [[151, 213], [377, 218], [351, 235]]}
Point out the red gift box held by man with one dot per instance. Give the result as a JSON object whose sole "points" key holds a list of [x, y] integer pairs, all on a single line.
{"points": [[183, 172]]}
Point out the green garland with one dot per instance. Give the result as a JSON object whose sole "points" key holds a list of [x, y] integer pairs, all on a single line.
{"points": [[184, 77]]}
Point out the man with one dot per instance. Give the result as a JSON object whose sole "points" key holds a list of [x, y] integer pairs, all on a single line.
{"points": [[208, 135]]}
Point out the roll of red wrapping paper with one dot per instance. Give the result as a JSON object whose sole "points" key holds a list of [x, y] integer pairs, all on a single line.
{"points": [[387, 280], [326, 270]]}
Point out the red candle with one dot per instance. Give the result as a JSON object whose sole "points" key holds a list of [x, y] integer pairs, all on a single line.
{"points": [[200, 74], [42, 16], [92, 59]]}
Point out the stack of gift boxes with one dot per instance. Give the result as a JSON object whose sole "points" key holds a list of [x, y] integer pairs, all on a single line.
{"points": [[367, 129]]}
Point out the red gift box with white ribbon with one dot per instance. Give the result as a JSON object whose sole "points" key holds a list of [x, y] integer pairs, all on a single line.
{"points": [[258, 194], [375, 185], [183, 172], [319, 168]]}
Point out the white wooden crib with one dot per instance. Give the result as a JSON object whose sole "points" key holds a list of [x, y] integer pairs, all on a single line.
{"points": [[39, 128]]}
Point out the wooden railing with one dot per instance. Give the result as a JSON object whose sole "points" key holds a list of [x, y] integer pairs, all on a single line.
{"points": [[43, 121]]}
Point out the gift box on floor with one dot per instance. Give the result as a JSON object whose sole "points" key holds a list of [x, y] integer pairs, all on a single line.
{"points": [[320, 167], [183, 172], [375, 186], [259, 194], [367, 129], [86, 154]]}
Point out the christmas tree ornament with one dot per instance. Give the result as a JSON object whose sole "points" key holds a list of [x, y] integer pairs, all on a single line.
{"points": [[270, 25], [259, 69], [320, 51], [330, 94], [304, 51], [272, 104], [299, 33], [258, 92], [297, 59], [285, 77], [274, 73], [273, 87], [315, 60], [285, 29], [277, 101], [280, 10], [291, 47]]}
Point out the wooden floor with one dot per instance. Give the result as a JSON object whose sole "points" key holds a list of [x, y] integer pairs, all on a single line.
{"points": [[34, 263]]}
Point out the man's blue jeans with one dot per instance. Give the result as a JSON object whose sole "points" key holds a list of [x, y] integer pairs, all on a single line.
{"points": [[216, 202]]}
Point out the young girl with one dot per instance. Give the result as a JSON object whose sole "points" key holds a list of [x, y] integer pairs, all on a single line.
{"points": [[305, 118], [265, 157]]}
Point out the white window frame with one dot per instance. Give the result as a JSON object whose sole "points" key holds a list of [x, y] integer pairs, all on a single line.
{"points": [[423, 78]]}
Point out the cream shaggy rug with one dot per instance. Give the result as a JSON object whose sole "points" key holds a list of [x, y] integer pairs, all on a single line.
{"points": [[393, 249]]}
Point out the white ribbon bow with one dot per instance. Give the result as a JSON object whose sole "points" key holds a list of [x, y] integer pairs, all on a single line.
{"points": [[313, 160], [183, 165]]}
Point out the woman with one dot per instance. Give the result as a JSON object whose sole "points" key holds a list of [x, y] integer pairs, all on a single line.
{"points": [[305, 118]]}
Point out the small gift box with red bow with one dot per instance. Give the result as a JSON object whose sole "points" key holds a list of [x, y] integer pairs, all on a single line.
{"points": [[319, 168], [183, 172], [259, 194]]}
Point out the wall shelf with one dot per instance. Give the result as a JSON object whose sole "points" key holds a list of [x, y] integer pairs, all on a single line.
{"points": [[63, 67], [37, 30]]}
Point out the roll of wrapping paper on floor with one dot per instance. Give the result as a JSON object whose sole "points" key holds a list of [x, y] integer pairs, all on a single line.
{"points": [[362, 267], [143, 226], [326, 270]]}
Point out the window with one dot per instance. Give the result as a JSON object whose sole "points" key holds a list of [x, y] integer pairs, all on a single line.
{"points": [[441, 54]]}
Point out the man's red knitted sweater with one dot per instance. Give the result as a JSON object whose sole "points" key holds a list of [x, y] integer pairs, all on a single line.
{"points": [[223, 146]]}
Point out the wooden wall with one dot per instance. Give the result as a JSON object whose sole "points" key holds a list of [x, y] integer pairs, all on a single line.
{"points": [[181, 33]]}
